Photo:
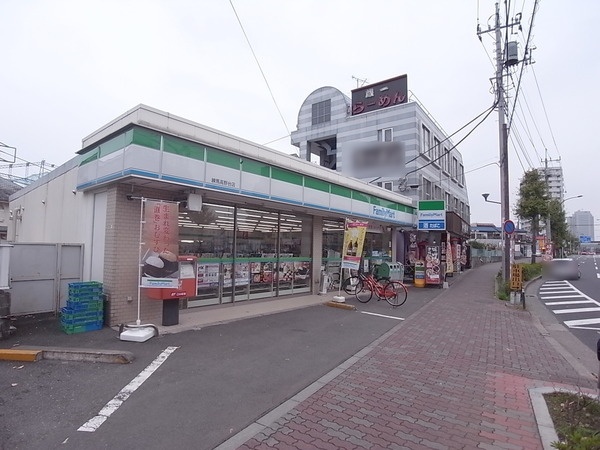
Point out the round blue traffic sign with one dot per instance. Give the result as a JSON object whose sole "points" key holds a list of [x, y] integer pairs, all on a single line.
{"points": [[509, 227]]}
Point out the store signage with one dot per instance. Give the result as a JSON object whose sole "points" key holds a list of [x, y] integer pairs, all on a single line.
{"points": [[431, 215], [382, 212], [380, 95], [585, 239]]}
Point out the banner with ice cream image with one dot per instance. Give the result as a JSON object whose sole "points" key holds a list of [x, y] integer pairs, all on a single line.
{"points": [[354, 239], [160, 245]]}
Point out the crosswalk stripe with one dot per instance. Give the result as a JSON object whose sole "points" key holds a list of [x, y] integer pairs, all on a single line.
{"points": [[559, 292], [576, 310], [576, 302], [580, 322], [563, 296]]}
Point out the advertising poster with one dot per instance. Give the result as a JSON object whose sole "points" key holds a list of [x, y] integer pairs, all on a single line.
{"points": [[208, 274], [354, 240], [432, 265], [242, 274], [449, 259], [160, 245]]}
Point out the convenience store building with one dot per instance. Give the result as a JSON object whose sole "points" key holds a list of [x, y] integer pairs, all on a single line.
{"points": [[251, 222]]}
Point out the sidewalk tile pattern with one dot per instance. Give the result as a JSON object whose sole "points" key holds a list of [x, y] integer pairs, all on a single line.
{"points": [[453, 376]]}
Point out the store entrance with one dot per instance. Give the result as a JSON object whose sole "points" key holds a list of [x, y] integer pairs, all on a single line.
{"points": [[245, 254]]}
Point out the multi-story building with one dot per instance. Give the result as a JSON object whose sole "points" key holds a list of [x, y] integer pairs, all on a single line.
{"points": [[382, 136], [581, 223], [554, 181]]}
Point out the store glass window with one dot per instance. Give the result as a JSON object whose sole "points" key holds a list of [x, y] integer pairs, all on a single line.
{"points": [[294, 266], [256, 253], [208, 235]]}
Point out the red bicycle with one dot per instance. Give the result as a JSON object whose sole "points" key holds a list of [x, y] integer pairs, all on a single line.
{"points": [[364, 286]]}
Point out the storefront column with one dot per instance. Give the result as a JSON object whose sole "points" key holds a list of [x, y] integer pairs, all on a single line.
{"points": [[317, 252]]}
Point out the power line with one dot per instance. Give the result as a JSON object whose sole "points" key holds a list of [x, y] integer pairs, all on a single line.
{"points": [[488, 111], [545, 112], [491, 108], [259, 66]]}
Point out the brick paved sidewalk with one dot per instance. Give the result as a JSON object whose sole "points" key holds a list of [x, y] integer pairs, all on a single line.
{"points": [[453, 376]]}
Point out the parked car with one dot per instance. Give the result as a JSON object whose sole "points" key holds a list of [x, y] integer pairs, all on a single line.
{"points": [[562, 269]]}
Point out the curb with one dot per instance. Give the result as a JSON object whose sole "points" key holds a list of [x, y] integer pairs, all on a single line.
{"points": [[341, 305], [33, 354], [20, 355]]}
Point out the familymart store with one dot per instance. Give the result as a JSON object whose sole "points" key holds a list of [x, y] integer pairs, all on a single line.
{"points": [[250, 222]]}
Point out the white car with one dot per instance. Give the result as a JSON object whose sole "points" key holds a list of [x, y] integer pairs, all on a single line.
{"points": [[562, 269]]}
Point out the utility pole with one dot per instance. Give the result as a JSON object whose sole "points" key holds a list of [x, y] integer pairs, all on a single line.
{"points": [[501, 61]]}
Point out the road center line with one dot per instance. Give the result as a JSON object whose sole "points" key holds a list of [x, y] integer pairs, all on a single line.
{"points": [[94, 423], [382, 315]]}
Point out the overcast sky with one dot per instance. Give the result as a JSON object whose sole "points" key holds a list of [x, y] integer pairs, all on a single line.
{"points": [[69, 67]]}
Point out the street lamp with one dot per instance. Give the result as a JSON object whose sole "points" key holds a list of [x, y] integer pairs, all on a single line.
{"points": [[485, 197], [548, 225]]}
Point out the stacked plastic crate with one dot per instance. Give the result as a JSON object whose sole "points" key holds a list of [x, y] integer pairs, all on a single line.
{"points": [[85, 308]]}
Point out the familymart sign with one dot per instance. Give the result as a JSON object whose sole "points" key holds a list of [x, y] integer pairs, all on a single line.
{"points": [[432, 215]]}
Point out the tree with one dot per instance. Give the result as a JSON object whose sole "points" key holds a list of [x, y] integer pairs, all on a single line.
{"points": [[532, 203], [558, 224]]}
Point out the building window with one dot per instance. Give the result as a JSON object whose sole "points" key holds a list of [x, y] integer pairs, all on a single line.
{"points": [[461, 174], [427, 189], [445, 159], [388, 185], [448, 198], [437, 151], [454, 171], [437, 193], [385, 135], [426, 141], [321, 112]]}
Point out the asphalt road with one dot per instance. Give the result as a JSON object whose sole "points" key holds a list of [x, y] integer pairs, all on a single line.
{"points": [[217, 381], [576, 303]]}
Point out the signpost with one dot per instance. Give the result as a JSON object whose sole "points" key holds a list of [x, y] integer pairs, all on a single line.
{"points": [[432, 215]]}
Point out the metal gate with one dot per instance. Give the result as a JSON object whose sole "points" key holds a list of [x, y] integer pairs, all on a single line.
{"points": [[40, 275]]}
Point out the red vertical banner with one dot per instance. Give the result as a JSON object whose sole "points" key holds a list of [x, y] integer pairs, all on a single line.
{"points": [[160, 245]]}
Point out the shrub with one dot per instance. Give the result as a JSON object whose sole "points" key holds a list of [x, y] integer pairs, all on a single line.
{"points": [[531, 271]]}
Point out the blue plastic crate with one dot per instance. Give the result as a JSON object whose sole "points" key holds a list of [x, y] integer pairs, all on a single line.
{"points": [[94, 305], [85, 298], [73, 316], [72, 329]]}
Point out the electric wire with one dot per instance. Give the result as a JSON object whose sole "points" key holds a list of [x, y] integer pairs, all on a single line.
{"points": [[545, 112], [259, 66], [491, 108], [488, 111]]}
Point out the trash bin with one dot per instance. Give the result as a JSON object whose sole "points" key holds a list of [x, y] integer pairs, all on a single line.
{"points": [[420, 274], [170, 312], [383, 270]]}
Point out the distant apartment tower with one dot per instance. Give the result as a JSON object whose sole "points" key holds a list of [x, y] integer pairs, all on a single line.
{"points": [[554, 180], [383, 137], [581, 223]]}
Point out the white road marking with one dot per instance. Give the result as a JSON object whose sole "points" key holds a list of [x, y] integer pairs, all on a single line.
{"points": [[564, 296], [575, 302], [598, 274], [382, 315], [576, 310], [557, 292], [94, 423], [582, 322]]}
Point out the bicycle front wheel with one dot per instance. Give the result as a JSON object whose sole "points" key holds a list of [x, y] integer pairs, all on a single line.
{"points": [[351, 285], [364, 292], [395, 293]]}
